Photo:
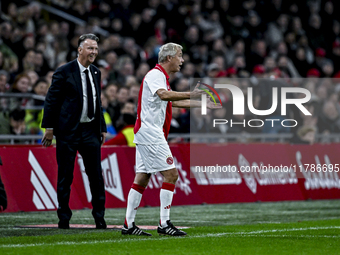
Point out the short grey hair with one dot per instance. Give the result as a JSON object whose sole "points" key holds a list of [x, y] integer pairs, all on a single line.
{"points": [[169, 49], [83, 37]]}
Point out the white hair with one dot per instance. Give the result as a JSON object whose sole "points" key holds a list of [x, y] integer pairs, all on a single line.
{"points": [[169, 49]]}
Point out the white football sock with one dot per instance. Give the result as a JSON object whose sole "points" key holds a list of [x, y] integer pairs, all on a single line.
{"points": [[134, 198], [166, 195]]}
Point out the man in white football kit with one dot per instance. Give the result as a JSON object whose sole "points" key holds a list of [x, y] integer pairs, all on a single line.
{"points": [[153, 154]]}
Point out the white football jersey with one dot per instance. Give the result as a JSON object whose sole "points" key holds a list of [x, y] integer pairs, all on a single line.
{"points": [[153, 114]]}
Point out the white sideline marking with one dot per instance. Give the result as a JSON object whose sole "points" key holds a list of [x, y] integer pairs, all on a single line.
{"points": [[251, 233]]}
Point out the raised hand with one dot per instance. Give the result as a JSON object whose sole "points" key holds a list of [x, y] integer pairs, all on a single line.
{"points": [[212, 105], [196, 93]]}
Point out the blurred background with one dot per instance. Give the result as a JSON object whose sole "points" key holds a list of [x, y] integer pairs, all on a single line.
{"points": [[246, 43]]}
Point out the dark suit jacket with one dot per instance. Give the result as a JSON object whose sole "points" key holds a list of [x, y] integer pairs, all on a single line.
{"points": [[64, 101]]}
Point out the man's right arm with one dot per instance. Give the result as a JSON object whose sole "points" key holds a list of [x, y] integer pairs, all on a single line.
{"points": [[52, 106], [166, 95], [53, 101]]}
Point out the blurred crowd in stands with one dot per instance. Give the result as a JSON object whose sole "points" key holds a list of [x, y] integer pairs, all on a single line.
{"points": [[294, 43]]}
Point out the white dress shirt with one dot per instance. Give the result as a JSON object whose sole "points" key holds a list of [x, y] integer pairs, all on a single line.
{"points": [[84, 117]]}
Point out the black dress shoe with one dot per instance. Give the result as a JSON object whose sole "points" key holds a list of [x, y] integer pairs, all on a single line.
{"points": [[100, 223], [64, 224]]}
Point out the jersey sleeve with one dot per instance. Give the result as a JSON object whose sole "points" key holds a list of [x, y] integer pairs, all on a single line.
{"points": [[156, 80]]}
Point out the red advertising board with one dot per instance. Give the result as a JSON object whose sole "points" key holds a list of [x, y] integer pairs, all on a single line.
{"points": [[299, 172]]}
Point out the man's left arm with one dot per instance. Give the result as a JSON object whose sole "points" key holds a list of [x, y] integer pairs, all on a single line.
{"points": [[195, 104]]}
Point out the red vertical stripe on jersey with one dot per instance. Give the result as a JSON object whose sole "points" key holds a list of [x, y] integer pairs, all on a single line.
{"points": [[167, 122], [168, 114], [139, 109]]}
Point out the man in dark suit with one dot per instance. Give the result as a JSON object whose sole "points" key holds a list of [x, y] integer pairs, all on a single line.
{"points": [[78, 125]]}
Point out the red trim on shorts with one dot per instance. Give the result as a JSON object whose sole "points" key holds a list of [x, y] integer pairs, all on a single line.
{"points": [[168, 186], [138, 188]]}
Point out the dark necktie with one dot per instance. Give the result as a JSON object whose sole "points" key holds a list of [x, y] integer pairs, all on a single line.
{"points": [[90, 108]]}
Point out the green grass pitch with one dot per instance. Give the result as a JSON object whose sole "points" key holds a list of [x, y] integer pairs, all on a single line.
{"points": [[303, 227]]}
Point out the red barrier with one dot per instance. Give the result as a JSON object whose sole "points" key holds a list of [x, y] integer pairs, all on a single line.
{"points": [[29, 174]]}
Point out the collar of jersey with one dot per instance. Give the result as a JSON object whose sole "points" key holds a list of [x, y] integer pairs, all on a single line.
{"points": [[162, 69]]}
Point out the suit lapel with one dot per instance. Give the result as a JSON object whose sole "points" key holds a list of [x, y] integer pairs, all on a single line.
{"points": [[95, 77], [95, 80]]}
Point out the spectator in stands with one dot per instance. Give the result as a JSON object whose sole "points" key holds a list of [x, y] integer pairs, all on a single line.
{"points": [[13, 123], [124, 68], [322, 94], [220, 61], [130, 80], [237, 49], [296, 26], [200, 123], [277, 29], [21, 85], [329, 120], [27, 63], [132, 50], [286, 66], [111, 60], [125, 135], [237, 30], [12, 13], [134, 92], [212, 71], [141, 71], [255, 25], [34, 116], [41, 66], [269, 65], [258, 54], [211, 27], [48, 77], [128, 107], [220, 114], [110, 92], [305, 135], [4, 87], [188, 70], [182, 85], [104, 69], [109, 126], [314, 32], [180, 122], [327, 69], [300, 61], [34, 77], [114, 110], [4, 77]]}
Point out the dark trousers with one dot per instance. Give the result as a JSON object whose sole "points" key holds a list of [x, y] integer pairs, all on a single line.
{"points": [[87, 143]]}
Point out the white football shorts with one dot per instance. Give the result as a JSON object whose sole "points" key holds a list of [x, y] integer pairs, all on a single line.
{"points": [[153, 158]]}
